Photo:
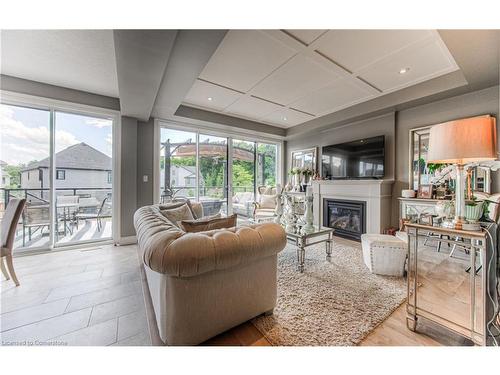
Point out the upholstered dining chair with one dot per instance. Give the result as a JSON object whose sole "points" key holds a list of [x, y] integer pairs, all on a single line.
{"points": [[9, 224]]}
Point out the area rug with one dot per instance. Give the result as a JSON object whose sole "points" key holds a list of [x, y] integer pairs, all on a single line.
{"points": [[337, 302]]}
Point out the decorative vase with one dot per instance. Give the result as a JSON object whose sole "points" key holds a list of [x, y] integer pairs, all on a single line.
{"points": [[474, 212], [296, 182]]}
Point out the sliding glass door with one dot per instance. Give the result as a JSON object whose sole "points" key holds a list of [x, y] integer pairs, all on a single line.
{"points": [[178, 164], [243, 177], [267, 167], [212, 156], [83, 178], [219, 171], [62, 164], [24, 165]]}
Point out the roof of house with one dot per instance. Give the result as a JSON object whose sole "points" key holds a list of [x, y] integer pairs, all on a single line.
{"points": [[79, 156]]}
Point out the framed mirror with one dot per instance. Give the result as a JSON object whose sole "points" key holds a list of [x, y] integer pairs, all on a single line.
{"points": [[421, 174], [305, 158]]}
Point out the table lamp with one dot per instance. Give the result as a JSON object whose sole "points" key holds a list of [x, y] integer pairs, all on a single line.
{"points": [[461, 142]]}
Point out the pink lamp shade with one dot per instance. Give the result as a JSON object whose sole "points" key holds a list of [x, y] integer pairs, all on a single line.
{"points": [[463, 141]]}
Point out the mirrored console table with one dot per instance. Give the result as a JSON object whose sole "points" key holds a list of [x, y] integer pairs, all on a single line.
{"points": [[450, 287]]}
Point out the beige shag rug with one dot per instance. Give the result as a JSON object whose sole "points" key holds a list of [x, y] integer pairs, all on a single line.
{"points": [[335, 302]]}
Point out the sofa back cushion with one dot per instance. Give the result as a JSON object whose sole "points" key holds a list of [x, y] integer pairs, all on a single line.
{"points": [[176, 213], [210, 223]]}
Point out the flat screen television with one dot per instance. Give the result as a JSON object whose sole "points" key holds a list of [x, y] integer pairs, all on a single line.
{"points": [[363, 158]]}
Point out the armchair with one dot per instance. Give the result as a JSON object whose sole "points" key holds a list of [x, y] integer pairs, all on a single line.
{"points": [[264, 208]]}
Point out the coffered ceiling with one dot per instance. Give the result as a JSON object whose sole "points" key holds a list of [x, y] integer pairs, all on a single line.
{"points": [[288, 77]]}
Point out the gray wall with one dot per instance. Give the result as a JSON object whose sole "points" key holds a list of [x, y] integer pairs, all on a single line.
{"points": [[128, 190], [381, 125], [145, 162], [396, 127], [472, 104]]}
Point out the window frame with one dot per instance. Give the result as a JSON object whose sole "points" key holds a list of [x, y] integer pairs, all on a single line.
{"points": [[63, 174], [254, 137]]}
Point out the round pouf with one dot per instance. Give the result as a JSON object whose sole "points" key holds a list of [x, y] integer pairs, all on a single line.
{"points": [[384, 254]]}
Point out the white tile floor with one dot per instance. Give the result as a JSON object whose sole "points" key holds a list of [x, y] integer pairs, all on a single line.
{"points": [[89, 296]]}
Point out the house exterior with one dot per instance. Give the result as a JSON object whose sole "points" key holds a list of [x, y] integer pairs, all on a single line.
{"points": [[181, 176], [78, 166]]}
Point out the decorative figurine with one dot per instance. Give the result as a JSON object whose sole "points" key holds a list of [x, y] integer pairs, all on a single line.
{"points": [[308, 215]]}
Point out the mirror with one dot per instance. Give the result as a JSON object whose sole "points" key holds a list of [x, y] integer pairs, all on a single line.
{"points": [[304, 159], [420, 173]]}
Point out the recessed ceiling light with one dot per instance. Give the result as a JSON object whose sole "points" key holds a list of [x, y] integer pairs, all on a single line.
{"points": [[209, 98], [404, 70], [284, 118]]}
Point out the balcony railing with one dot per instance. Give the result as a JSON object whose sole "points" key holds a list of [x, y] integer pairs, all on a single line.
{"points": [[76, 205]]}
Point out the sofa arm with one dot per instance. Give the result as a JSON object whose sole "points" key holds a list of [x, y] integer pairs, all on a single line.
{"points": [[197, 253]]}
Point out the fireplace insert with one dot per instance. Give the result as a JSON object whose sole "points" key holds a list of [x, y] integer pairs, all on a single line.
{"points": [[346, 217]]}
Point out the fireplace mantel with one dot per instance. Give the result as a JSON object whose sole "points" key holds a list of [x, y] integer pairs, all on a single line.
{"points": [[376, 193]]}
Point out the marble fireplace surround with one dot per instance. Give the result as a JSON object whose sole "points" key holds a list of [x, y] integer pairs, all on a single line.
{"points": [[376, 193]]}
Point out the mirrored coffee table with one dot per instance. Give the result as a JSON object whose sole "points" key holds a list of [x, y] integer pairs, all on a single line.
{"points": [[301, 241]]}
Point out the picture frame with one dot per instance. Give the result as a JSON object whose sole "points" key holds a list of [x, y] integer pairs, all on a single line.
{"points": [[425, 191]]}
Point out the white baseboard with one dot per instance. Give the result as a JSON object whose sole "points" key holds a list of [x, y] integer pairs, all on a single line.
{"points": [[127, 240]]}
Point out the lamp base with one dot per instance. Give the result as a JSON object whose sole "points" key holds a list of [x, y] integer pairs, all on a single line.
{"points": [[459, 221]]}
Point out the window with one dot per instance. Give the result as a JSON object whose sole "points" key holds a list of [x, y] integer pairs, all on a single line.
{"points": [[60, 174], [215, 169], [110, 176]]}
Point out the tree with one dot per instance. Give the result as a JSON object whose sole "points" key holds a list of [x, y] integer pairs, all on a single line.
{"points": [[14, 172]]}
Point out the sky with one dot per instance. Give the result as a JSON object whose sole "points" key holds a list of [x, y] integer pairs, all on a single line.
{"points": [[24, 133]]}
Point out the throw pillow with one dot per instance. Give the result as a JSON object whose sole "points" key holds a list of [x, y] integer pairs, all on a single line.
{"points": [[210, 223], [180, 201], [176, 214], [267, 201]]}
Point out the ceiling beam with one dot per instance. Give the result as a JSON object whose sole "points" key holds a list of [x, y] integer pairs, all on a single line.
{"points": [[141, 60], [190, 54]]}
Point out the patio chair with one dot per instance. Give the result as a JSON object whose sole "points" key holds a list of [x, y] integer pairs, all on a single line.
{"points": [[35, 217], [9, 224], [67, 208], [89, 206], [101, 212]]}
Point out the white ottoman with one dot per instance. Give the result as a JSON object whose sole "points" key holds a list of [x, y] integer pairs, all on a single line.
{"points": [[384, 254]]}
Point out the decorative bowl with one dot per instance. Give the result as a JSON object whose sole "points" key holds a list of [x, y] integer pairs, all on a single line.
{"points": [[408, 193]]}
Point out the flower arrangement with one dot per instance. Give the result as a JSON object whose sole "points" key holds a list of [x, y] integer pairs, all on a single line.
{"points": [[307, 172], [295, 171]]}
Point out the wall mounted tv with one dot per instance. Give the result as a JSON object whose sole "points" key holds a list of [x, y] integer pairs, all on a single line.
{"points": [[363, 158]]}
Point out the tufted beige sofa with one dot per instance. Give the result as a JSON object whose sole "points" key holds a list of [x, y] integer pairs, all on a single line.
{"points": [[205, 283]]}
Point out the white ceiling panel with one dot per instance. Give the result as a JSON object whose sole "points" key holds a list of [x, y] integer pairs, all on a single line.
{"points": [[354, 49], [424, 62], [252, 108], [244, 58], [296, 78], [295, 74], [340, 94], [77, 59], [207, 95], [286, 117], [306, 36]]}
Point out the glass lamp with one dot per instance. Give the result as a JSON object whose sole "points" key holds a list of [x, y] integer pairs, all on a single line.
{"points": [[461, 142]]}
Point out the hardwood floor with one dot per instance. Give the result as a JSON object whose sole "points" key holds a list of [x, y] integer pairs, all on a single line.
{"points": [[94, 296]]}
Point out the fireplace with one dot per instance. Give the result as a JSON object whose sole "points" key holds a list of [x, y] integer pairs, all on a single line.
{"points": [[346, 217]]}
